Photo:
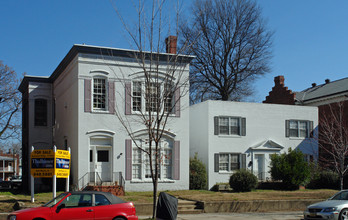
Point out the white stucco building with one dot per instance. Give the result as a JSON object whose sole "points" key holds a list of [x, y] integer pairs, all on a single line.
{"points": [[232, 135], [75, 107]]}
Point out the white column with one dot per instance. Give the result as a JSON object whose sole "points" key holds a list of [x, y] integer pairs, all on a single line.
{"points": [[32, 180], [67, 179], [54, 173]]}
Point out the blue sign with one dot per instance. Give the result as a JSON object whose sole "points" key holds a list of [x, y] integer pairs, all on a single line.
{"points": [[62, 163]]}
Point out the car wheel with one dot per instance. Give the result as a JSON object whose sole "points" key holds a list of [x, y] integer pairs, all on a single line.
{"points": [[344, 214], [119, 218]]}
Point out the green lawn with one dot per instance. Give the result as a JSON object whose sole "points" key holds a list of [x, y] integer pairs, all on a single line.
{"points": [[8, 199]]}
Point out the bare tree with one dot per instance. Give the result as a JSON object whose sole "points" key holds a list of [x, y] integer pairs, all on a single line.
{"points": [[161, 83], [232, 47], [333, 138], [9, 103]]}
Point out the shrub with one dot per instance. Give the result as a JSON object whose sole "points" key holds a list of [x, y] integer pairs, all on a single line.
{"points": [[325, 180], [243, 181], [198, 174], [291, 168]]}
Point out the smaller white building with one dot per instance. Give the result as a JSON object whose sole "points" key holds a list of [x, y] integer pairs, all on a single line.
{"points": [[228, 136]]}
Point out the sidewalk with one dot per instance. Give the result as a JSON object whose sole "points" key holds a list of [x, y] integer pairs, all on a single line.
{"points": [[241, 216]]}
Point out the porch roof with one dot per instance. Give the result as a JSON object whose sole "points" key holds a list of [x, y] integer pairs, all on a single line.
{"points": [[268, 145], [6, 158]]}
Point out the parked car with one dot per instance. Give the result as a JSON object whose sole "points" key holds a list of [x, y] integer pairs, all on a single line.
{"points": [[16, 182], [335, 208], [80, 205]]}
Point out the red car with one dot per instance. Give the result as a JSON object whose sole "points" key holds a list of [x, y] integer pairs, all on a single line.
{"points": [[80, 205]]}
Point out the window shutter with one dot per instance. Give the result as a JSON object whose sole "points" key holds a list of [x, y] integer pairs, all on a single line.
{"points": [[310, 129], [216, 162], [128, 159], [111, 97], [128, 98], [88, 95], [216, 125], [243, 120], [177, 102], [287, 128], [242, 161], [176, 160]]}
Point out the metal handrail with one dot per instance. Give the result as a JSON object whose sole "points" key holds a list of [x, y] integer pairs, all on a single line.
{"points": [[118, 177], [94, 177]]}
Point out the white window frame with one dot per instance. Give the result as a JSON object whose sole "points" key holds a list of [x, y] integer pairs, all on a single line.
{"points": [[96, 109], [144, 105], [166, 161], [229, 167], [229, 132], [298, 125]]}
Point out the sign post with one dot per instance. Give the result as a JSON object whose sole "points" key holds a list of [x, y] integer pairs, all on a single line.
{"points": [[54, 187], [32, 181], [50, 163]]}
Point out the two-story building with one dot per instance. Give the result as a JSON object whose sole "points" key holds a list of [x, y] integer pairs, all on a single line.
{"points": [[228, 136], [78, 106]]}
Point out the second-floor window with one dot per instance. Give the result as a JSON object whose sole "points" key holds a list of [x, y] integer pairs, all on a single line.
{"points": [[99, 94], [152, 97], [228, 125], [298, 128], [40, 118]]}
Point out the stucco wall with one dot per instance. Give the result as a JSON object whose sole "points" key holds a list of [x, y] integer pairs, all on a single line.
{"points": [[263, 122]]}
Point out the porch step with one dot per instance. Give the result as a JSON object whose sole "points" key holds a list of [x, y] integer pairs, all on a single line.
{"points": [[189, 207]]}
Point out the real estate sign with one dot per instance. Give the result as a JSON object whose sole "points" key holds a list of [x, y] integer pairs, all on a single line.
{"points": [[62, 166], [46, 163]]}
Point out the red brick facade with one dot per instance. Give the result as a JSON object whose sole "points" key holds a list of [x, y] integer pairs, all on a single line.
{"points": [[280, 94]]}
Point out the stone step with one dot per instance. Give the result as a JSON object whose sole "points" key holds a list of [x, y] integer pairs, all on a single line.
{"points": [[194, 211], [189, 207]]}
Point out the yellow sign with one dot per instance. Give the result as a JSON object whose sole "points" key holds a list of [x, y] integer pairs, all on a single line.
{"points": [[46, 163], [62, 165]]}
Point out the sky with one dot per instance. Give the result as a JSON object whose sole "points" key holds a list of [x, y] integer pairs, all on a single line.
{"points": [[310, 36]]}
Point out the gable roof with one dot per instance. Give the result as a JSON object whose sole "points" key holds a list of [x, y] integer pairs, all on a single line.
{"points": [[324, 90], [268, 145]]}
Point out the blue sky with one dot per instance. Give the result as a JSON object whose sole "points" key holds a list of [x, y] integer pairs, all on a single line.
{"points": [[310, 40]]}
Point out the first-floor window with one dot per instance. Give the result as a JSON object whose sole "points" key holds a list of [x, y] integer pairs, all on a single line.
{"points": [[141, 168], [228, 162]]}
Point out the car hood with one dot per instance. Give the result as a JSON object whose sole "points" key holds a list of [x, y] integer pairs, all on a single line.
{"points": [[39, 209], [328, 203]]}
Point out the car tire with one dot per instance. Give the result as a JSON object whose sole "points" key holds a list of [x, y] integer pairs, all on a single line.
{"points": [[119, 218], [343, 214]]}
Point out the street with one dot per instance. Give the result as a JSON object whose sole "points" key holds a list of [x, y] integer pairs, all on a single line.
{"points": [[242, 216]]}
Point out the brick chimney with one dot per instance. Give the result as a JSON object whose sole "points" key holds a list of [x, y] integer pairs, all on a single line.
{"points": [[279, 81], [280, 94], [171, 44]]}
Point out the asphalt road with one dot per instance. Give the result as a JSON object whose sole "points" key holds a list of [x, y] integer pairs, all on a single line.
{"points": [[242, 216]]}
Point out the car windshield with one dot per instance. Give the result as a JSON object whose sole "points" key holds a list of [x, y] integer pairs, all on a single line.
{"points": [[55, 200], [340, 196]]}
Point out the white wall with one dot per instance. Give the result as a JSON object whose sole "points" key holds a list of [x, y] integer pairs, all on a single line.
{"points": [[108, 125], [263, 122]]}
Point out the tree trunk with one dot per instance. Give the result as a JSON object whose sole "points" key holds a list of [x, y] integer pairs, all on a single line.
{"points": [[154, 198], [341, 178]]}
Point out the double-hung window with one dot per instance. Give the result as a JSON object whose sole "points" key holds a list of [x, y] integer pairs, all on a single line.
{"points": [[228, 162], [40, 117], [227, 125], [141, 169], [152, 97], [99, 94], [298, 128]]}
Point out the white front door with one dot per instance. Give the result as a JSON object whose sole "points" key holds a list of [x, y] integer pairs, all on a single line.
{"points": [[260, 168], [103, 163]]}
